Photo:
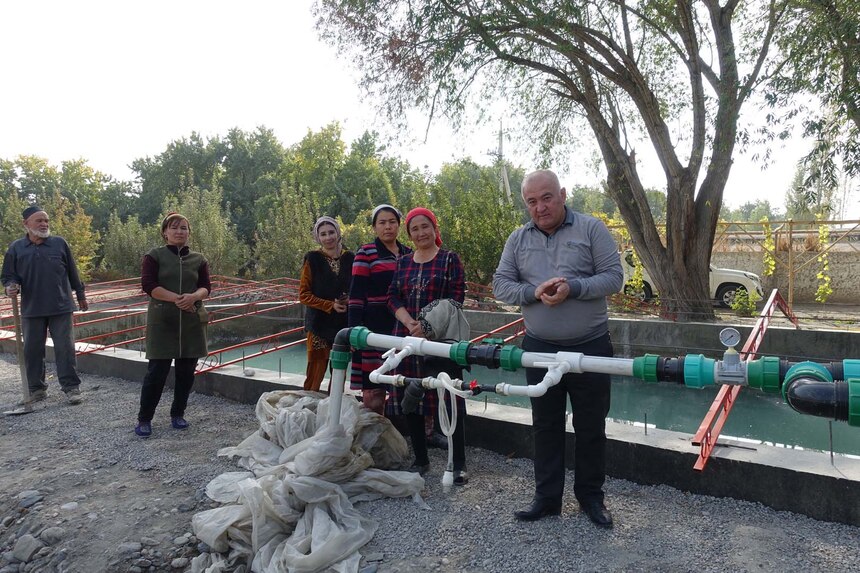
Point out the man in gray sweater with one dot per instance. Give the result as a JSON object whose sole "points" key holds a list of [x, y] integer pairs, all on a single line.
{"points": [[41, 267], [559, 268]]}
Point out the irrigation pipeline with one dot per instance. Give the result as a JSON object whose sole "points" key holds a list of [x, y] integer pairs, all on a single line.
{"points": [[829, 389]]}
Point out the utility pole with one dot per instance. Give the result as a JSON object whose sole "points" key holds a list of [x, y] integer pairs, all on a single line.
{"points": [[504, 184]]}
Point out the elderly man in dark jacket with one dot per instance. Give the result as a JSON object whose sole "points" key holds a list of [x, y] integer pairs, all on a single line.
{"points": [[42, 269]]}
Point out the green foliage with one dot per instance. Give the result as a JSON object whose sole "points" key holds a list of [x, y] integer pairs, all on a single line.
{"points": [[636, 282], [820, 42], [768, 250], [251, 169], [312, 168], [751, 211], [285, 237], [475, 216], [34, 180], [11, 205], [409, 186], [358, 233], [590, 200], [824, 290], [744, 302], [805, 199], [69, 221], [125, 243], [212, 233], [184, 165]]}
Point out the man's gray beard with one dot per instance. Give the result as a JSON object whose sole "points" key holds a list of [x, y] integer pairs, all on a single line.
{"points": [[41, 234]]}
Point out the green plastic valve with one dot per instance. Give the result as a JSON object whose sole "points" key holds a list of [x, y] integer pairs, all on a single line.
{"points": [[645, 367], [850, 369], [764, 374], [339, 359], [854, 402], [698, 371], [459, 352], [358, 337], [511, 358]]}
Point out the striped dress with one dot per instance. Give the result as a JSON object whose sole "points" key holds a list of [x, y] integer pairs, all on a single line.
{"points": [[372, 270]]}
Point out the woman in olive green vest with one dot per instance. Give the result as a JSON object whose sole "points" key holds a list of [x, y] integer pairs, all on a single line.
{"points": [[176, 280]]}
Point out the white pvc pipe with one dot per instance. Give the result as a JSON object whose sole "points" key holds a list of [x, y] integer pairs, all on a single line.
{"points": [[420, 346], [335, 388], [552, 377], [578, 361]]}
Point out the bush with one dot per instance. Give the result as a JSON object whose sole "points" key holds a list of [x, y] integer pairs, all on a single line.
{"points": [[744, 302]]}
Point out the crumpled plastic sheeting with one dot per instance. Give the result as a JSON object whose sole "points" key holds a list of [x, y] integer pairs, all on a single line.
{"points": [[293, 510]]}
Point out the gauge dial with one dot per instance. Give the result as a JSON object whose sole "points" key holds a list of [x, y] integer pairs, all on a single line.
{"points": [[730, 337]]}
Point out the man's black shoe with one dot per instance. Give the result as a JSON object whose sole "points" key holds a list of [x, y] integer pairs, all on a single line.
{"points": [[597, 513], [537, 510]]}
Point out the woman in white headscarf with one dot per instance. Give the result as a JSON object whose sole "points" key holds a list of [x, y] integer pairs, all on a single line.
{"points": [[323, 289]]}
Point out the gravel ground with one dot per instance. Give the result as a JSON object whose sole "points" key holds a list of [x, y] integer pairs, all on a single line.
{"points": [[80, 492]]}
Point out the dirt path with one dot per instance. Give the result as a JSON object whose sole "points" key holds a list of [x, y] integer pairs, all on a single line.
{"points": [[112, 501]]}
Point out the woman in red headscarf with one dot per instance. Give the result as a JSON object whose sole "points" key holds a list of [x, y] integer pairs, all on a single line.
{"points": [[428, 274]]}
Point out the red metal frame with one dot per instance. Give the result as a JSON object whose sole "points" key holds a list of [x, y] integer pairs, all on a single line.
{"points": [[282, 292], [497, 330], [256, 354], [709, 430]]}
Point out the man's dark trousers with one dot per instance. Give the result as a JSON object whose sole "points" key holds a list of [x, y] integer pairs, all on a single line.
{"points": [[589, 396], [35, 332]]}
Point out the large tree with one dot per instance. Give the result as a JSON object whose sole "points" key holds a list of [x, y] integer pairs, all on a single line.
{"points": [[252, 166], [821, 44], [184, 165], [671, 71]]}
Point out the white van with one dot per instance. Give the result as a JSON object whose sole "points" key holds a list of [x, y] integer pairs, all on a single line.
{"points": [[724, 282]]}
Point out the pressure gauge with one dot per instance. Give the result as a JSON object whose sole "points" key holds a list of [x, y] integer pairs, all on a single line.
{"points": [[730, 337]]}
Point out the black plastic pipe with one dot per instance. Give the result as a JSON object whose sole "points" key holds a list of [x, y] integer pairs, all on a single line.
{"points": [[341, 340], [815, 397]]}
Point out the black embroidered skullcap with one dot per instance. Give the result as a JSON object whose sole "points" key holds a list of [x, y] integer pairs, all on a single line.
{"points": [[29, 211]]}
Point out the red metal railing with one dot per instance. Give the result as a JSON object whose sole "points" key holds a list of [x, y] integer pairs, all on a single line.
{"points": [[709, 430], [497, 330], [208, 367]]}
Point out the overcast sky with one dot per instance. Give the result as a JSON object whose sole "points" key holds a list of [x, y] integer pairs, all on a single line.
{"points": [[112, 81]]}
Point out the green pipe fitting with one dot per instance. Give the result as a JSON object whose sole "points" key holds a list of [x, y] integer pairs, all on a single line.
{"points": [[850, 369], [340, 359], [764, 374], [854, 402], [645, 367], [810, 369], [493, 341], [698, 371], [511, 358], [358, 337], [459, 353]]}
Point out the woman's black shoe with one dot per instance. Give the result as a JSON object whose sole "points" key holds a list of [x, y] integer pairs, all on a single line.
{"points": [[419, 469], [437, 441]]}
